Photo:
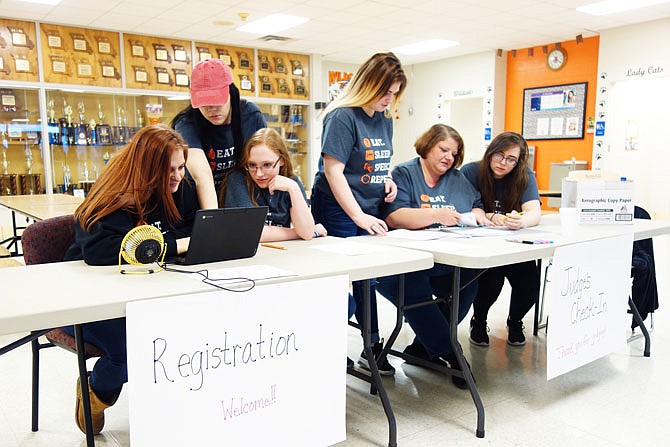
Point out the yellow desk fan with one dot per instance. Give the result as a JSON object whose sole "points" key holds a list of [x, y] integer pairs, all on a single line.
{"points": [[142, 245]]}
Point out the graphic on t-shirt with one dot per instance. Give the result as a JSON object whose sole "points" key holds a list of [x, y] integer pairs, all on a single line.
{"points": [[437, 201], [376, 161], [221, 159]]}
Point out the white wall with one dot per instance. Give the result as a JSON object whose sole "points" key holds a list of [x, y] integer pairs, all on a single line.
{"points": [[448, 87], [470, 90], [632, 100]]}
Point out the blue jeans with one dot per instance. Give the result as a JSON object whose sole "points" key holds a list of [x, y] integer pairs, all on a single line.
{"points": [[330, 214], [110, 372], [429, 323]]}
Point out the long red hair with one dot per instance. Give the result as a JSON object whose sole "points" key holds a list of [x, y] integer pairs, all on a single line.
{"points": [[137, 179]]}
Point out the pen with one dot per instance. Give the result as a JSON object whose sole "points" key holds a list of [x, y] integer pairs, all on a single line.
{"points": [[278, 247]]}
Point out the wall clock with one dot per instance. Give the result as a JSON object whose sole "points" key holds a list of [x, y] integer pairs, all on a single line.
{"points": [[556, 58]]}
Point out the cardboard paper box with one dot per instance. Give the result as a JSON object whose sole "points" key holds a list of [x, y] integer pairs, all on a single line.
{"points": [[600, 199]]}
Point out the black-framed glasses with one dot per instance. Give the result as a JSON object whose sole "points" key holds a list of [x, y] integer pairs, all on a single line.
{"points": [[264, 167], [499, 157]]}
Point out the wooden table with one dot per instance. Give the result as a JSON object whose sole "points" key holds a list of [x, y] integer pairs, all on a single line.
{"points": [[36, 207]]}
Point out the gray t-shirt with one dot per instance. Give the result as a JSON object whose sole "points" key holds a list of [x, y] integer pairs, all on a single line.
{"points": [[217, 141], [452, 190], [279, 203], [530, 193], [364, 145]]}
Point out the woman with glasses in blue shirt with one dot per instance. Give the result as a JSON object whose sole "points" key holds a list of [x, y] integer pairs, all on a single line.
{"points": [[266, 179], [510, 197]]}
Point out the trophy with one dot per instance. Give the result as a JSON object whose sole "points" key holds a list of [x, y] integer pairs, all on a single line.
{"points": [[85, 172], [66, 177], [91, 138], [106, 157], [51, 111], [82, 111], [69, 130], [29, 159], [140, 118], [101, 114], [82, 132], [5, 163], [120, 129]]}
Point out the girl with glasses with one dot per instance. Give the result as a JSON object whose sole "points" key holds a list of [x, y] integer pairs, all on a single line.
{"points": [[266, 179], [510, 197]]}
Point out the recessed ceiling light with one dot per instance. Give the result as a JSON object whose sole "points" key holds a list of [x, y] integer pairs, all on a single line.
{"points": [[272, 23], [425, 46], [43, 2], [614, 6]]}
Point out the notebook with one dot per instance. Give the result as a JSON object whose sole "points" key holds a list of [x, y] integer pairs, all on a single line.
{"points": [[223, 234]]}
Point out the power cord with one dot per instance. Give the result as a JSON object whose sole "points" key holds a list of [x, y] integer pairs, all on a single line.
{"points": [[211, 281]]}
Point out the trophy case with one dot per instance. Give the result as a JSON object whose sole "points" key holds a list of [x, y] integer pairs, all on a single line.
{"points": [[22, 165], [86, 130], [290, 121]]}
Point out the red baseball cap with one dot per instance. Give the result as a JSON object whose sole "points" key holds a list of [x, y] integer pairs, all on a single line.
{"points": [[209, 83]]}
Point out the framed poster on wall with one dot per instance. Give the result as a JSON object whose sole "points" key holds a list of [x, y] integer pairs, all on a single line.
{"points": [[554, 112]]}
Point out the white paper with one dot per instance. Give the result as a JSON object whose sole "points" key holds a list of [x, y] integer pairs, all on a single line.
{"points": [[226, 368], [417, 235], [588, 296], [468, 219]]}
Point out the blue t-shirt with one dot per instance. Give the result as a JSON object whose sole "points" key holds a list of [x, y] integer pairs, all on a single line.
{"points": [[500, 185], [364, 145], [279, 203], [452, 190], [217, 141]]}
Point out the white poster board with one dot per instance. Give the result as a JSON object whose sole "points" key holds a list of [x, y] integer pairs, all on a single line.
{"points": [[589, 288], [264, 367]]}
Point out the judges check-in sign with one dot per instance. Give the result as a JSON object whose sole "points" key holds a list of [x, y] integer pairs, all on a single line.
{"points": [[589, 288], [263, 367]]}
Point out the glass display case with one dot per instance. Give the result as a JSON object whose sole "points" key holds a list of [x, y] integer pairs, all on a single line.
{"points": [[290, 121], [22, 165], [87, 129]]}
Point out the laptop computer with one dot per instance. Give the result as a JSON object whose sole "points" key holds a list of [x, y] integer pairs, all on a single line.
{"points": [[223, 234]]}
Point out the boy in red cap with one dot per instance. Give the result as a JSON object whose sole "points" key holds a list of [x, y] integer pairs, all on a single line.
{"points": [[215, 126]]}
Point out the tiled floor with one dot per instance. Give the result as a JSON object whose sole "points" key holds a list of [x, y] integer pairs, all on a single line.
{"points": [[619, 400]]}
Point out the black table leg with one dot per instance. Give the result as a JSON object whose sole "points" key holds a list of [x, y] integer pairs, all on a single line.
{"points": [[83, 380], [458, 352]]}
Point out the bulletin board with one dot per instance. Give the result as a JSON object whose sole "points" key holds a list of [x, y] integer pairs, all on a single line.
{"points": [[554, 112]]}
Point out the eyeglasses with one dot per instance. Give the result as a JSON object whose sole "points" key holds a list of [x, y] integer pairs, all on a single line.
{"points": [[265, 167], [499, 157]]}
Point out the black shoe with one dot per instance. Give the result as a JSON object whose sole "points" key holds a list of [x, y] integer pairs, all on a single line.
{"points": [[385, 368], [478, 332], [451, 362], [417, 350], [350, 364], [515, 335]]}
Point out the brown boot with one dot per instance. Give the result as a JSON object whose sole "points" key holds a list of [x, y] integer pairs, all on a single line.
{"points": [[98, 408]]}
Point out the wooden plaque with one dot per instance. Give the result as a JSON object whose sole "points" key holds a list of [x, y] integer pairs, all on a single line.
{"points": [[80, 56]]}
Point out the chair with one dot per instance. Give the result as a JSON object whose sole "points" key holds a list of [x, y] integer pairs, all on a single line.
{"points": [[44, 242], [644, 292]]}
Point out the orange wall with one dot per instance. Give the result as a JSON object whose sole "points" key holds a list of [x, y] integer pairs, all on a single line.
{"points": [[525, 71]]}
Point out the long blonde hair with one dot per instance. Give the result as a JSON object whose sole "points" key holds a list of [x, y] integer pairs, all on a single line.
{"points": [[371, 81]]}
